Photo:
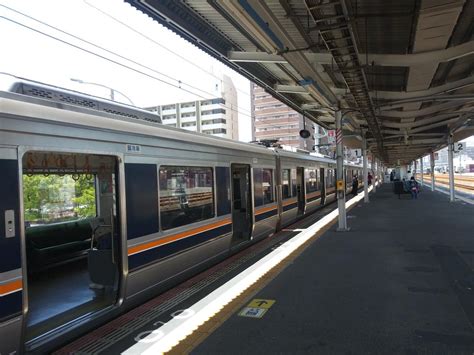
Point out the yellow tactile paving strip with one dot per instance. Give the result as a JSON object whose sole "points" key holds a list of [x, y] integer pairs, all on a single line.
{"points": [[199, 335]]}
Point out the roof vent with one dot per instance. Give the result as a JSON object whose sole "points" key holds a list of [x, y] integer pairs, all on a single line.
{"points": [[77, 99]]}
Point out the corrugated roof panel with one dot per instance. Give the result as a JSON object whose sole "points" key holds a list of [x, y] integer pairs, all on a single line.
{"points": [[383, 27], [287, 23], [216, 20]]}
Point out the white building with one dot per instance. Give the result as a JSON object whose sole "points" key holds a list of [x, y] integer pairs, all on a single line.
{"points": [[217, 116]]}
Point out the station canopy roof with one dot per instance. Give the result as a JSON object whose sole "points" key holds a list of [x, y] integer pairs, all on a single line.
{"points": [[401, 71]]}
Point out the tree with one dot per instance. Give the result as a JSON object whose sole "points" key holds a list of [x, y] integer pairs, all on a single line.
{"points": [[48, 198]]}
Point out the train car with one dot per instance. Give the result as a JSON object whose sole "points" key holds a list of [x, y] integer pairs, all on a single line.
{"points": [[103, 207]]}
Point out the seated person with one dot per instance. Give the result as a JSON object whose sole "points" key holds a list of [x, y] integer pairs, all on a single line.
{"points": [[406, 185], [413, 188]]}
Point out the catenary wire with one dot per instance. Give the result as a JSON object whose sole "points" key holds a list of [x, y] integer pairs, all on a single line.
{"points": [[116, 54], [157, 43], [116, 62]]}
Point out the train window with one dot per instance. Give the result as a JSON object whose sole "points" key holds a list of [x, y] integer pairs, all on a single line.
{"points": [[267, 185], [311, 178], [330, 178], [294, 184], [263, 186], [53, 198], [286, 183], [186, 195]]}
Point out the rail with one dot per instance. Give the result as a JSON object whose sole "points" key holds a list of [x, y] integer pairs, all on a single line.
{"points": [[444, 180]]}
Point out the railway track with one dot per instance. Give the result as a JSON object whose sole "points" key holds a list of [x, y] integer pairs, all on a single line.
{"points": [[444, 180]]}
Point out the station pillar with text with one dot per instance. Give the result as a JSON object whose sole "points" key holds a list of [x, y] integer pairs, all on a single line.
{"points": [[421, 169], [341, 189], [364, 159], [374, 173], [432, 166], [451, 169]]}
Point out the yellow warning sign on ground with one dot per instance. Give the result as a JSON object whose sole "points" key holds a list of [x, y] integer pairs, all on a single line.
{"points": [[260, 303], [257, 308]]}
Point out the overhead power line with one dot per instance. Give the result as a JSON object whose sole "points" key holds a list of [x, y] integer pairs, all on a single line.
{"points": [[179, 82], [157, 43], [111, 52]]}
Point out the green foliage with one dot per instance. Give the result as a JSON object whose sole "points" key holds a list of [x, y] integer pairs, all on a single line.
{"points": [[84, 202], [54, 198]]}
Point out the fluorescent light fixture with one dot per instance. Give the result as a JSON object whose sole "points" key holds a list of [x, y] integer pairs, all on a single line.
{"points": [[291, 89], [255, 57]]}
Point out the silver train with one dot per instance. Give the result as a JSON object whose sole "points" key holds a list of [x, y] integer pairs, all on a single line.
{"points": [[103, 207]]}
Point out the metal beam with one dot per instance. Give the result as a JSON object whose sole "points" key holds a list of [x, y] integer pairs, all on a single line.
{"points": [[407, 60], [434, 125], [414, 142], [430, 98], [321, 92], [255, 57], [421, 122], [421, 112], [291, 89], [451, 86]]}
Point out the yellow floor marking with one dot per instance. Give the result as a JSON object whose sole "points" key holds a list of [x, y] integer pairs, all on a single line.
{"points": [[231, 308], [260, 303]]}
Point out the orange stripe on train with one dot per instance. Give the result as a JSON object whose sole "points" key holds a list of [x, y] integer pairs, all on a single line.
{"points": [[265, 209], [172, 238], [289, 202], [10, 287]]}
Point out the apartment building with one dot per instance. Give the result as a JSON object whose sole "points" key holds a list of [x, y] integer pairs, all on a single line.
{"points": [[274, 120], [217, 116]]}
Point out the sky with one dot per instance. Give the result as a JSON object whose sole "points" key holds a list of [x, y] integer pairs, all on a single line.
{"points": [[108, 42]]}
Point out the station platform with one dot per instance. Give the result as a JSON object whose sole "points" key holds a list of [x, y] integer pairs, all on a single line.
{"points": [[399, 282]]}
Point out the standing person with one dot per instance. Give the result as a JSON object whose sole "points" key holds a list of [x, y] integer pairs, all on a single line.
{"points": [[369, 179], [355, 185], [413, 188]]}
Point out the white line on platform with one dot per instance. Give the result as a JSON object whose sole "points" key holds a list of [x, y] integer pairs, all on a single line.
{"points": [[456, 196], [177, 329]]}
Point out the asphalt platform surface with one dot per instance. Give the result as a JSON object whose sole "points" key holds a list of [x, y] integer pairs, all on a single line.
{"points": [[399, 282]]}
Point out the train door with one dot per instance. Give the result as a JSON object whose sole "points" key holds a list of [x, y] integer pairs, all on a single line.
{"points": [[323, 186], [72, 237], [242, 220], [11, 281], [300, 190]]}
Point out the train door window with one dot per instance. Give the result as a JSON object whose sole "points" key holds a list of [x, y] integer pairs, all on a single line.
{"points": [[241, 203], [300, 190], [72, 236], [286, 183], [311, 178], [186, 195]]}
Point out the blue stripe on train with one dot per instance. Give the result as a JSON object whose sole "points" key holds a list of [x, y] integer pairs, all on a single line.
{"points": [[10, 305], [265, 215], [313, 198], [290, 206], [152, 255]]}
